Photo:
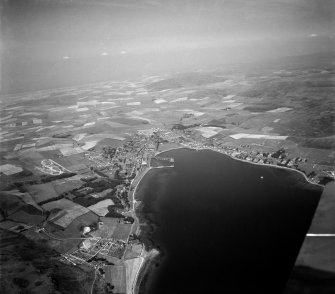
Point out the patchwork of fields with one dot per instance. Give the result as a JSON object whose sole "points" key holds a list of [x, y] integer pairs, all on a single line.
{"points": [[68, 157]]}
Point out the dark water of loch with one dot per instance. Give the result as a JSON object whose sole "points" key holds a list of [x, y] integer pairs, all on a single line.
{"points": [[222, 228]]}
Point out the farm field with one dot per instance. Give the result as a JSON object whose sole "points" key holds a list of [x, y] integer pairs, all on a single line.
{"points": [[116, 275], [132, 269], [69, 211], [42, 192], [101, 208], [69, 158], [133, 251]]}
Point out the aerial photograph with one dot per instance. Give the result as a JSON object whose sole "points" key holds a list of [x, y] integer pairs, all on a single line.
{"points": [[167, 146]]}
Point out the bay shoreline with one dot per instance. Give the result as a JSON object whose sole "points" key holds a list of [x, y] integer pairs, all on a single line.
{"points": [[148, 260], [149, 256], [246, 161]]}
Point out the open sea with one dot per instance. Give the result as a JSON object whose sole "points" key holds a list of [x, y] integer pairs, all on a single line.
{"points": [[222, 225]]}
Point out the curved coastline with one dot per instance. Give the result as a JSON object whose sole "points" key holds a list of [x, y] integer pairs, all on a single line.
{"points": [[246, 161], [147, 257]]}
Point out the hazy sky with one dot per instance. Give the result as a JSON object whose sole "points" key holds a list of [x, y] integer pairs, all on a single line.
{"points": [[164, 25], [232, 30]]}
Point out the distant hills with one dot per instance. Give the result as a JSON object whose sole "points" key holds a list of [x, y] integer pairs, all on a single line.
{"points": [[323, 59], [37, 74]]}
